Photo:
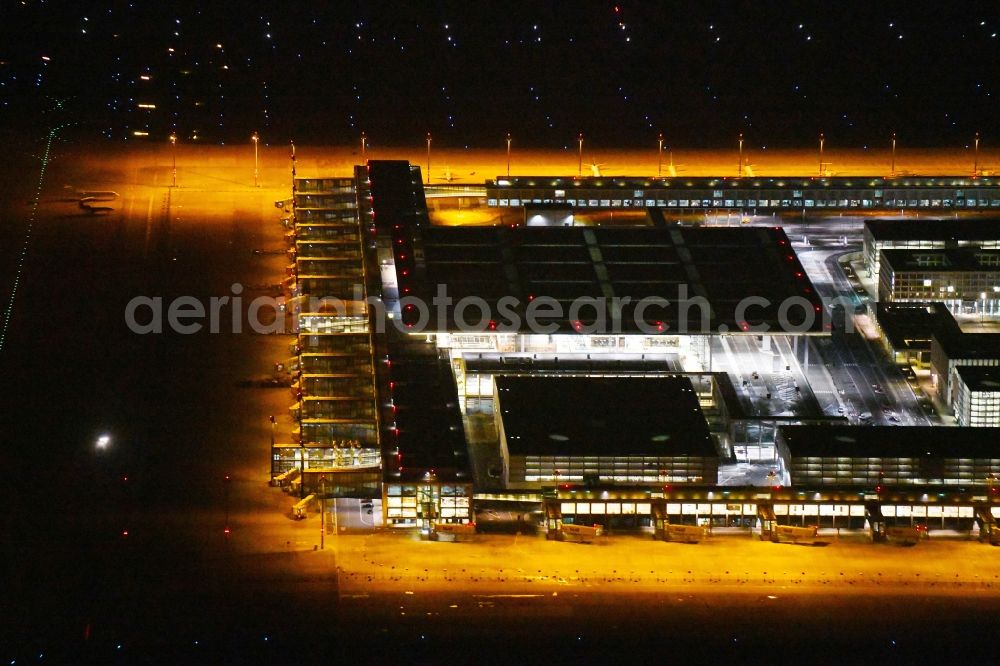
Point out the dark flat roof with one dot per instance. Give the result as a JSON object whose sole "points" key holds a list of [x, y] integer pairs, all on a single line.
{"points": [[425, 409], [971, 229], [943, 260], [957, 345], [912, 325], [980, 378], [569, 365], [588, 416], [723, 266], [890, 441], [397, 193]]}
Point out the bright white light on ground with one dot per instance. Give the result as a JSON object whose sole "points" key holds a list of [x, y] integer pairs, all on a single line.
{"points": [[103, 441]]}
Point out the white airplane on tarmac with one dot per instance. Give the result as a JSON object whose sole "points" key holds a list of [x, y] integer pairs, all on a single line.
{"points": [[93, 195], [450, 177], [595, 169], [86, 204], [673, 169]]}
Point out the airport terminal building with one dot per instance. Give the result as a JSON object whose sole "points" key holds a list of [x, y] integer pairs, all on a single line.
{"points": [[546, 196], [335, 449], [390, 382], [626, 431]]}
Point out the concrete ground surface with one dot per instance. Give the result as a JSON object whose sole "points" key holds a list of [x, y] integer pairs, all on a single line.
{"points": [[527, 563]]}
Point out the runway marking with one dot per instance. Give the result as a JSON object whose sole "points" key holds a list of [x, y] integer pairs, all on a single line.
{"points": [[506, 596], [26, 242]]}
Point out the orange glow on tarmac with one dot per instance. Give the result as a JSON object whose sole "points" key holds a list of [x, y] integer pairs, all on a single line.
{"points": [[477, 165], [235, 164]]}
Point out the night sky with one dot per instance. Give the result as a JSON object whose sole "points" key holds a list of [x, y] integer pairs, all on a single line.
{"points": [[470, 71]]}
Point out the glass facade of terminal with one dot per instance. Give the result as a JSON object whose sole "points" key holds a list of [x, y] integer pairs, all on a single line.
{"points": [[520, 351], [531, 471], [336, 442], [421, 504], [746, 193], [712, 508]]}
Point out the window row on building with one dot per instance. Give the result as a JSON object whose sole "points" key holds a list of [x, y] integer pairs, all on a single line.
{"points": [[893, 471], [618, 469], [777, 201]]}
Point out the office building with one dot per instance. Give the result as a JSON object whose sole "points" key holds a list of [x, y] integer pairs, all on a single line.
{"points": [[924, 234], [906, 329], [967, 281], [977, 396]]}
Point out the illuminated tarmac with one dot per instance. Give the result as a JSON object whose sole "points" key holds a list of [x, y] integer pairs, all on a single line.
{"points": [[476, 165], [232, 166], [182, 422], [525, 564]]}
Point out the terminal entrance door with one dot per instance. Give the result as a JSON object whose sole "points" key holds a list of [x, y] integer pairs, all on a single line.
{"points": [[428, 501], [765, 514], [876, 522], [553, 519], [660, 519]]}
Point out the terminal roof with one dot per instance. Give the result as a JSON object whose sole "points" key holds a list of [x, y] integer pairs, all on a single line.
{"points": [[962, 345], [890, 441], [708, 269], [688, 280], [425, 423], [397, 193], [588, 416]]}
